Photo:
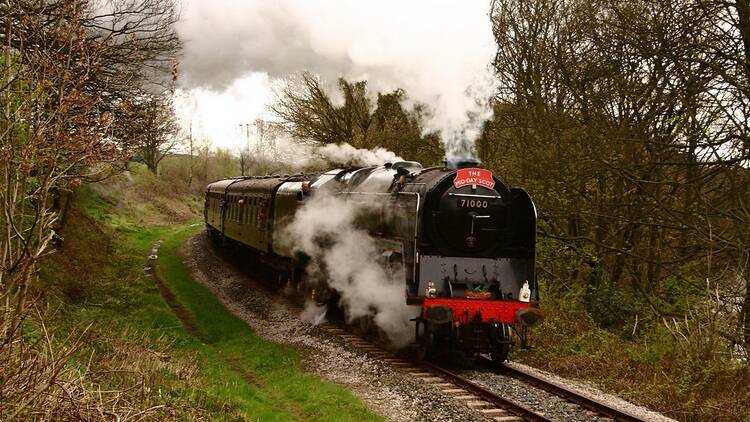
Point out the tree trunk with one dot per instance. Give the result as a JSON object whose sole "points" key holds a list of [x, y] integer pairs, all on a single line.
{"points": [[151, 164], [150, 158], [746, 317]]}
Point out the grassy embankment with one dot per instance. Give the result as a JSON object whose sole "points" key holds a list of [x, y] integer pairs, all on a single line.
{"points": [[680, 377], [206, 363]]}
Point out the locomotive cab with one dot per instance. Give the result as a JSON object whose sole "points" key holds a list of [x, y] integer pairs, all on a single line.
{"points": [[474, 272], [478, 239], [461, 241]]}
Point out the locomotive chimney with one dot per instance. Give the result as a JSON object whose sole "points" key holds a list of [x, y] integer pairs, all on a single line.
{"points": [[461, 162]]}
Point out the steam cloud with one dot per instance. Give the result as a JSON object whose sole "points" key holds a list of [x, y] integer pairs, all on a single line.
{"points": [[346, 155], [438, 51], [300, 156], [313, 313], [344, 255]]}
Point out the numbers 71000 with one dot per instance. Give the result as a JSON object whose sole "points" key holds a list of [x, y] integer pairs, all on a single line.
{"points": [[472, 203]]}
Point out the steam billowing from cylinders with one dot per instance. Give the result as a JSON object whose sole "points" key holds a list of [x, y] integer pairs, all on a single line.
{"points": [[438, 51], [346, 257], [313, 313]]}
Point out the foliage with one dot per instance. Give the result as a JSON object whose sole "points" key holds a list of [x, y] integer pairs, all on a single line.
{"points": [[137, 357], [153, 130], [310, 114], [633, 142], [193, 172], [278, 387], [627, 123], [66, 67], [669, 365]]}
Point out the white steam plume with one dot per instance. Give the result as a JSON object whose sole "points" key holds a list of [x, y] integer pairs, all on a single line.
{"points": [[439, 51], [325, 230], [346, 155], [299, 156], [313, 313]]}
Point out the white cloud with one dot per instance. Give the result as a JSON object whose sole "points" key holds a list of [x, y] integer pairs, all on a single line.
{"points": [[439, 51], [216, 115]]}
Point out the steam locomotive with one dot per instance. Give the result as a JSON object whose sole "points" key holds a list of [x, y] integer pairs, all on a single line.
{"points": [[463, 240]]}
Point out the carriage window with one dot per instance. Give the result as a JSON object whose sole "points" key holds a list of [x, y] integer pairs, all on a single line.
{"points": [[246, 214], [249, 215], [255, 210], [257, 214]]}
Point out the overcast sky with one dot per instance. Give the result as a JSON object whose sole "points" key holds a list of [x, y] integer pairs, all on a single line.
{"points": [[438, 51]]}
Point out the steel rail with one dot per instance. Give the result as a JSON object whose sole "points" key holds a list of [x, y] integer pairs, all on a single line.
{"points": [[567, 394], [486, 395], [521, 375]]}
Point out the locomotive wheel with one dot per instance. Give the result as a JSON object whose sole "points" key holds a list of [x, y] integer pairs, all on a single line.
{"points": [[213, 235], [419, 352], [427, 345], [500, 355], [423, 343], [435, 342], [365, 324]]}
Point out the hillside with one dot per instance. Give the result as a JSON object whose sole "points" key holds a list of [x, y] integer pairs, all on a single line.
{"points": [[131, 348]]}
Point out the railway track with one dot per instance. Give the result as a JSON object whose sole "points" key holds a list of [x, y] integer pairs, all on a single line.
{"points": [[473, 395], [566, 393], [480, 399], [477, 397]]}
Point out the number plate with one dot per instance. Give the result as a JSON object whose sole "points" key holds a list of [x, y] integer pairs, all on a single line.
{"points": [[473, 203]]}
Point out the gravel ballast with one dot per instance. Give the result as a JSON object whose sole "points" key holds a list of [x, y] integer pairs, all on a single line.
{"points": [[387, 390], [549, 404]]}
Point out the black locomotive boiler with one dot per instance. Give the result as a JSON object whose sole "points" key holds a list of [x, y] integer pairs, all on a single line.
{"points": [[465, 242]]}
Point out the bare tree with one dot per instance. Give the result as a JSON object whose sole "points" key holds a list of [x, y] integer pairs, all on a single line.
{"points": [[244, 160], [66, 73], [627, 121], [153, 129], [308, 113]]}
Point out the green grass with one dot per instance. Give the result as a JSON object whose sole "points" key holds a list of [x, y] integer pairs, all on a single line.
{"points": [[681, 379], [136, 348], [267, 379]]}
